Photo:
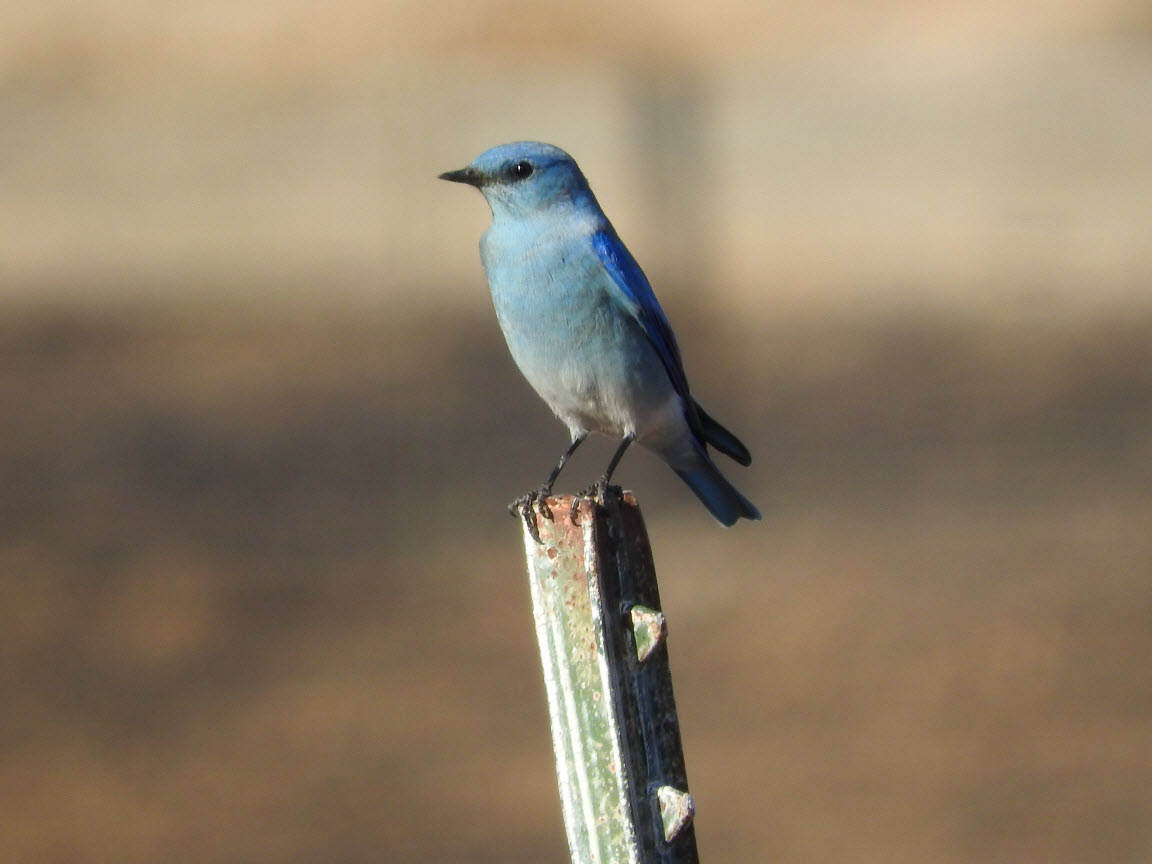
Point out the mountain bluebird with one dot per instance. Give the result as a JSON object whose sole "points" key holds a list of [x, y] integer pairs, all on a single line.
{"points": [[585, 328]]}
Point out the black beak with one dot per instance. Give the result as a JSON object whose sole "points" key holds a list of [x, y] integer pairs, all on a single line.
{"points": [[467, 175]]}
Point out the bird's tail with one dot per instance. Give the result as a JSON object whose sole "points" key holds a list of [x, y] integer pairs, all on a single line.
{"points": [[721, 438], [721, 498]]}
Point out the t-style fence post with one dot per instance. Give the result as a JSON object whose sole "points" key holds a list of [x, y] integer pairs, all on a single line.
{"points": [[619, 761]]}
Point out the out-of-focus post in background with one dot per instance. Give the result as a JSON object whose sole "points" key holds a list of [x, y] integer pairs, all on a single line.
{"points": [[256, 601]]}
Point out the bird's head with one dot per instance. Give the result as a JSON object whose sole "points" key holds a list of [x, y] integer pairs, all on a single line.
{"points": [[522, 178]]}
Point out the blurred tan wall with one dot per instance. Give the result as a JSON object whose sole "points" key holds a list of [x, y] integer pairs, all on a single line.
{"points": [[857, 154]]}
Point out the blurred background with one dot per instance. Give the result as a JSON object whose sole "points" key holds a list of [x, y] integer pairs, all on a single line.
{"points": [[259, 597]]}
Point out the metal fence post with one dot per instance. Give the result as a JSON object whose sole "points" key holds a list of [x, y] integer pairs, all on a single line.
{"points": [[619, 761]]}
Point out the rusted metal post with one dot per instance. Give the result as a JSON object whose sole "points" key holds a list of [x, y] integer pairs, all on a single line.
{"points": [[619, 760]]}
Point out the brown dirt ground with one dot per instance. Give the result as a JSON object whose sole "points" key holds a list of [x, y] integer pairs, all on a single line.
{"points": [[259, 599]]}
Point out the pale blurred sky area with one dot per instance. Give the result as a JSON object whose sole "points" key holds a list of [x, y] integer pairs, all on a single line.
{"points": [[861, 155]]}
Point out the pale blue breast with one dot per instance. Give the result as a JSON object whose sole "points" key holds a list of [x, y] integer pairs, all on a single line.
{"points": [[572, 338]]}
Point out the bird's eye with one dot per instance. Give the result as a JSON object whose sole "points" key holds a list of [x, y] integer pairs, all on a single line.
{"points": [[522, 170]]}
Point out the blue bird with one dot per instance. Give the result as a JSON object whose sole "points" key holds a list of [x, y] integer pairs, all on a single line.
{"points": [[584, 327]]}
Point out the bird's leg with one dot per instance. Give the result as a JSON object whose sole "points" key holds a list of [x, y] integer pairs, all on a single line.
{"points": [[528, 504], [546, 490], [598, 491], [602, 484]]}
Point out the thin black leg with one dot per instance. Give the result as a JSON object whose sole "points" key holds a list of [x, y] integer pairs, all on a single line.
{"points": [[527, 505], [616, 457], [597, 491], [576, 442]]}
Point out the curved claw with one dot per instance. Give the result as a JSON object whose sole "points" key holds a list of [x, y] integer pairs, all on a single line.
{"points": [[592, 493], [516, 507], [542, 503], [527, 506], [528, 514]]}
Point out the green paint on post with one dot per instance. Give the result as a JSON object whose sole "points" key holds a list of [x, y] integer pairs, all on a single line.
{"points": [[616, 736], [566, 604]]}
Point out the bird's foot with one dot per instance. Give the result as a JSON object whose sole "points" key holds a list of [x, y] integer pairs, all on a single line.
{"points": [[594, 493], [530, 505]]}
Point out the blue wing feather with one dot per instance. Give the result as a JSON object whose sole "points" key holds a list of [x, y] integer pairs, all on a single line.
{"points": [[632, 282], [641, 302]]}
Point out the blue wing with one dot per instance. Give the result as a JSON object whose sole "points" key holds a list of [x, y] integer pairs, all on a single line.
{"points": [[638, 296], [642, 303]]}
